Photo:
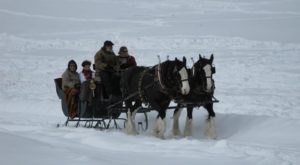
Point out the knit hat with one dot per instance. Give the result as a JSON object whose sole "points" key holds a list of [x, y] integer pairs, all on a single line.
{"points": [[108, 43], [86, 62], [122, 49], [72, 62]]}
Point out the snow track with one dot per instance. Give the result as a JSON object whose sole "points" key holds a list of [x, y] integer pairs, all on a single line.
{"points": [[241, 139]]}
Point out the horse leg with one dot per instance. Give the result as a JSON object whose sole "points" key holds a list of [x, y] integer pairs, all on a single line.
{"points": [[189, 121], [176, 130], [160, 125], [131, 128], [211, 129], [137, 105]]}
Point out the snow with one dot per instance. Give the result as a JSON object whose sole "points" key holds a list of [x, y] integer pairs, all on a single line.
{"points": [[256, 46]]}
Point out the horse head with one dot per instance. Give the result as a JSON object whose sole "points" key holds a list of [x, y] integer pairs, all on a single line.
{"points": [[173, 74], [203, 71], [183, 76]]}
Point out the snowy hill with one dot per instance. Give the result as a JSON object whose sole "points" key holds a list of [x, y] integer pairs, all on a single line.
{"points": [[257, 55]]}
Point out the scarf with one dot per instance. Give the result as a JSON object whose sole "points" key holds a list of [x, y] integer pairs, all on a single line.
{"points": [[87, 74]]}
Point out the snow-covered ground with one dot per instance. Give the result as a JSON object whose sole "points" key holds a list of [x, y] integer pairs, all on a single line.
{"points": [[257, 54]]}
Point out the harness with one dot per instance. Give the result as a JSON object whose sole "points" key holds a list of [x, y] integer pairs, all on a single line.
{"points": [[158, 71], [139, 93], [201, 89], [140, 85], [164, 88], [171, 92]]}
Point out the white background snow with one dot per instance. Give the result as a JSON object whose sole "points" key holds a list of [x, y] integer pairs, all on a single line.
{"points": [[257, 54]]}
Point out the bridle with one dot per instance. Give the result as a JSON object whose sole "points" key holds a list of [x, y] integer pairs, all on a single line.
{"points": [[204, 78], [175, 71]]}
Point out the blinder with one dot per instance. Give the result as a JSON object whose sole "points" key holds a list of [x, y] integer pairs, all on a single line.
{"points": [[176, 70], [213, 70]]}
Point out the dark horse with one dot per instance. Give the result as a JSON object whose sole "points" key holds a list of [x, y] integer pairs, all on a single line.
{"points": [[202, 90], [155, 86]]}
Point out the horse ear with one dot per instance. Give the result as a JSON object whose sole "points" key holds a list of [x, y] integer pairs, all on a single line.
{"points": [[184, 60], [211, 58], [176, 59], [200, 57]]}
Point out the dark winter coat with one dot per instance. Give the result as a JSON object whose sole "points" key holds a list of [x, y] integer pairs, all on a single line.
{"points": [[106, 61], [126, 62]]}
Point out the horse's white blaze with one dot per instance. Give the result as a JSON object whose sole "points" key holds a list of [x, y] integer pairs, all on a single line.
{"points": [[208, 74], [188, 127], [185, 89], [131, 129], [160, 127], [176, 129], [211, 129]]}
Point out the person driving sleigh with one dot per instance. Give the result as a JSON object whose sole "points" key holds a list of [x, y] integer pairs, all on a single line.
{"points": [[107, 68]]}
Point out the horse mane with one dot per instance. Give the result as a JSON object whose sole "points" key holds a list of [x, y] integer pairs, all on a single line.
{"points": [[198, 80], [166, 68]]}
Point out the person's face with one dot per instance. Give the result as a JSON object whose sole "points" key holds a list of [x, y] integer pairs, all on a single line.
{"points": [[124, 52], [108, 48], [86, 67], [72, 67]]}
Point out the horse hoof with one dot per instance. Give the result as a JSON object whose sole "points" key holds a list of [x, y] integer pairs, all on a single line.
{"points": [[176, 132], [158, 134], [132, 132], [210, 135], [187, 134]]}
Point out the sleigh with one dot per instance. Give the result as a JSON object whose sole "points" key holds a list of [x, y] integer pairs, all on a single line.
{"points": [[97, 112]]}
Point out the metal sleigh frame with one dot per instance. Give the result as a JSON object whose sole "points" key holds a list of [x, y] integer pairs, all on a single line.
{"points": [[91, 121]]}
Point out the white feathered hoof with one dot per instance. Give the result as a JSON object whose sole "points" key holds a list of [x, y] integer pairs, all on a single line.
{"points": [[211, 132], [188, 128], [130, 129], [159, 128], [176, 132]]}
